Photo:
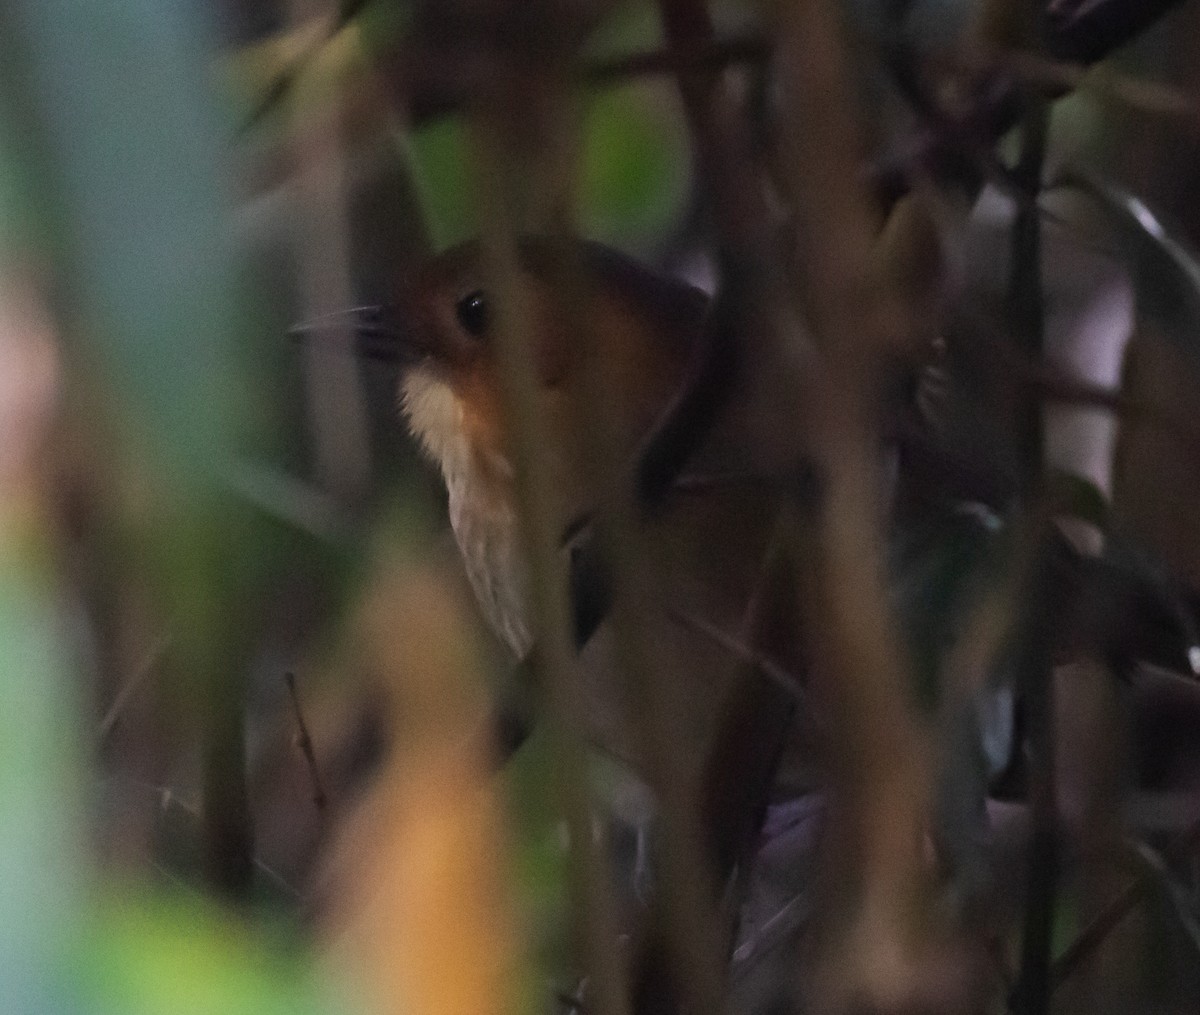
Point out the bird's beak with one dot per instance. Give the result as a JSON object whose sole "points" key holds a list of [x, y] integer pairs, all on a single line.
{"points": [[377, 330]]}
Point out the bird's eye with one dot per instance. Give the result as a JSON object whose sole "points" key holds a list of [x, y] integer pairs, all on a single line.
{"points": [[472, 311]]}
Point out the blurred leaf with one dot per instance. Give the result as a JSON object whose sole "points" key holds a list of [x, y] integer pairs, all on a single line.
{"points": [[540, 851], [135, 157], [636, 165], [41, 838], [424, 919], [40, 843], [628, 27], [441, 167], [180, 955], [161, 297], [148, 214], [633, 178]]}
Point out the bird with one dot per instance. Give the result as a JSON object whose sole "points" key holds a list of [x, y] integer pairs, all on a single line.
{"points": [[708, 543], [720, 726], [439, 329], [719, 606]]}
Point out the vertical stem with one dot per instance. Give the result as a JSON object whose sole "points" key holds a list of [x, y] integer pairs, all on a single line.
{"points": [[877, 880], [1027, 320], [688, 25], [335, 397], [723, 149], [228, 827], [228, 834], [1033, 988], [531, 446], [684, 870], [1025, 297]]}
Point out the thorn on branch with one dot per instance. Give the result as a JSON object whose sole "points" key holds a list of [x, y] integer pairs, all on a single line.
{"points": [[304, 742]]}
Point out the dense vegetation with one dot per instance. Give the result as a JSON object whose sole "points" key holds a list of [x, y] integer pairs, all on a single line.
{"points": [[260, 751]]}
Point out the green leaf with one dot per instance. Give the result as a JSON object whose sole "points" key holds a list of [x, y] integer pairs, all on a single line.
{"points": [[178, 954], [40, 841], [123, 92], [634, 173], [636, 170], [441, 166], [135, 164]]}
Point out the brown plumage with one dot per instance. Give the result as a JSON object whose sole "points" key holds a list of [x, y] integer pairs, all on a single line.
{"points": [[706, 549], [451, 402]]}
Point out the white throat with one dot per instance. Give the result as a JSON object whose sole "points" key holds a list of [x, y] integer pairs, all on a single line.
{"points": [[435, 416], [482, 516]]}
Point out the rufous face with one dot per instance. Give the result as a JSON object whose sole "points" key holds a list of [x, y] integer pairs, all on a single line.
{"points": [[449, 389]]}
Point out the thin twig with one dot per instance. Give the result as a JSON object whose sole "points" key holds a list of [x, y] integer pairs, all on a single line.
{"points": [[1051, 384], [167, 799], [778, 675], [1055, 78], [304, 742], [123, 696], [705, 56], [708, 56], [1180, 904], [335, 399], [1094, 934]]}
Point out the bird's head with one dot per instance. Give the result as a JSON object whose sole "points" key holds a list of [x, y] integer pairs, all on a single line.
{"points": [[441, 329]]}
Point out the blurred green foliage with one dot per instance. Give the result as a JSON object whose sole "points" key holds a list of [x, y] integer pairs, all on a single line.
{"points": [[540, 856], [129, 155], [635, 170], [154, 953], [110, 110], [41, 873], [146, 206], [633, 181]]}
